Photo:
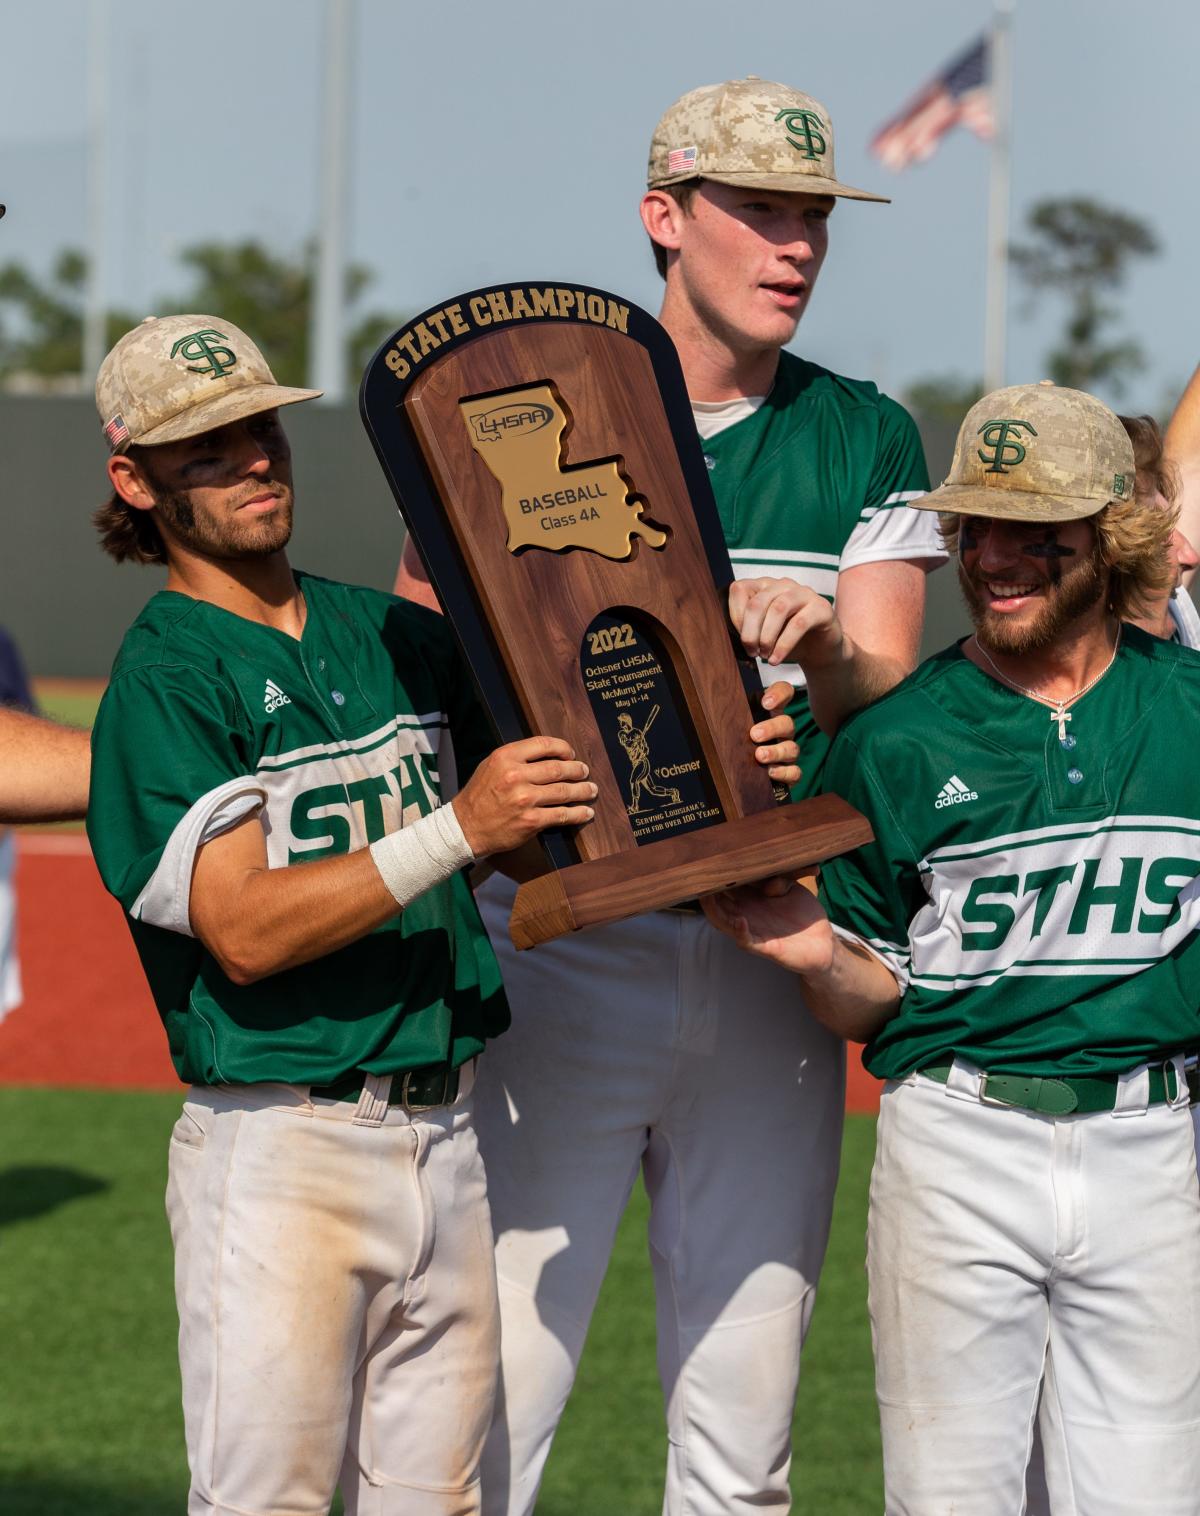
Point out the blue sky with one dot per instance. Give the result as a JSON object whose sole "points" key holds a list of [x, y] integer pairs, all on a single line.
{"points": [[507, 140]]}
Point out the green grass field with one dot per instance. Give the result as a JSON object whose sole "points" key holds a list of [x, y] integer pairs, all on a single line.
{"points": [[89, 1398], [74, 704]]}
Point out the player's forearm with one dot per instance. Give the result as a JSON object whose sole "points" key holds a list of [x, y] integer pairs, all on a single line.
{"points": [[266, 920], [839, 686], [855, 997], [257, 921], [44, 769]]}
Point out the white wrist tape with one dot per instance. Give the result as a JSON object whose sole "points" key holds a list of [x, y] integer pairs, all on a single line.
{"points": [[417, 857]]}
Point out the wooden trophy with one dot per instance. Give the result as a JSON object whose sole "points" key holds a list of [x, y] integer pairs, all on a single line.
{"points": [[540, 446]]}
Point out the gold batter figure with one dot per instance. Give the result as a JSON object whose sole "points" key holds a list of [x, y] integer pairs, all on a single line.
{"points": [[633, 740]]}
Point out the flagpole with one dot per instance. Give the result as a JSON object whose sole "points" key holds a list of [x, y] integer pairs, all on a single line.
{"points": [[327, 357], [996, 322], [95, 288]]}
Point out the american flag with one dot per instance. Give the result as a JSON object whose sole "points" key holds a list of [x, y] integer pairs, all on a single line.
{"points": [[117, 433], [960, 93], [681, 158]]}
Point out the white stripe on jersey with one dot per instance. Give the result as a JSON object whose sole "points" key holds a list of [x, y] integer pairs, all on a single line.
{"points": [[897, 497], [897, 532], [1069, 829], [432, 722], [779, 556], [1106, 897]]}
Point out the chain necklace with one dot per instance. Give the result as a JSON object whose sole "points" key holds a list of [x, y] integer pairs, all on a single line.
{"points": [[1058, 711]]}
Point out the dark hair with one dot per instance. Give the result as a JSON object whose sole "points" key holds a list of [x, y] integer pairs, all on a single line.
{"points": [[682, 195], [127, 533]]}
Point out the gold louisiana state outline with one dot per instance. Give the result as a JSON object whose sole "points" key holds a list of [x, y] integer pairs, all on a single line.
{"points": [[518, 435]]}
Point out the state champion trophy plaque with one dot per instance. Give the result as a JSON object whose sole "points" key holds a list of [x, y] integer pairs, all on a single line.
{"points": [[540, 445]]}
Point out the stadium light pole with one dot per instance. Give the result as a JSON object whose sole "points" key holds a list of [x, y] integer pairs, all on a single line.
{"points": [[996, 302], [327, 348], [94, 311]]}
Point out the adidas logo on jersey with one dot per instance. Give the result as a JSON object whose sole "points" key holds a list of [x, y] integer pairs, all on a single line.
{"points": [[274, 697], [954, 792]]}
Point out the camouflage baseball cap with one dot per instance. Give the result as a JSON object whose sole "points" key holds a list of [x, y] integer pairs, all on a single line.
{"points": [[1035, 452], [177, 376], [751, 133]]}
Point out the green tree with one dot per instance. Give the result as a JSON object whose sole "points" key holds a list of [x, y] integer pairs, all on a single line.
{"points": [[1081, 250], [270, 297], [942, 397], [267, 294], [41, 320]]}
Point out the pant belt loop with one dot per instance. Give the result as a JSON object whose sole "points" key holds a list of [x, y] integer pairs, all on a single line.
{"points": [[372, 1104], [1182, 1095], [964, 1082], [1133, 1092]]}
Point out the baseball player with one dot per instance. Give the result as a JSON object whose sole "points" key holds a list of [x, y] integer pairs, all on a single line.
{"points": [[269, 762], [1173, 616], [1019, 949], [653, 1045]]}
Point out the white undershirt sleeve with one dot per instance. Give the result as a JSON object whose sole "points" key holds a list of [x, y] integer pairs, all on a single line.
{"points": [[166, 899]]}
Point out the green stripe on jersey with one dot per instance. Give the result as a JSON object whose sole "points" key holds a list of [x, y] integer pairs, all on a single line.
{"points": [[1048, 898]]}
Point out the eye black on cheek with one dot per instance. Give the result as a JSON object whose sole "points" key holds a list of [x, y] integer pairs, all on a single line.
{"points": [[1049, 547]]}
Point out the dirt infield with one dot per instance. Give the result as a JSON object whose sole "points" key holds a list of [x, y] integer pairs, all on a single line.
{"points": [[87, 1018]]}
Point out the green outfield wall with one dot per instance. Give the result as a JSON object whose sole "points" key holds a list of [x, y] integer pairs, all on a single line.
{"points": [[68, 605]]}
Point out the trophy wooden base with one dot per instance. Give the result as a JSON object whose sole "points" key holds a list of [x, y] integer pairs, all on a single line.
{"points": [[778, 841]]}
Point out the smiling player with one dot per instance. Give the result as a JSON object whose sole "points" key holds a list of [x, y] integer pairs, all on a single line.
{"points": [[1019, 949]]}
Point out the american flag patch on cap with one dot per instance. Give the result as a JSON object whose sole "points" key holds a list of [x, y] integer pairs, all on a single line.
{"points": [[117, 433], [680, 159]]}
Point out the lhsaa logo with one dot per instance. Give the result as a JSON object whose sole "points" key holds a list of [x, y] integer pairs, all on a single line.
{"points": [[954, 792], [510, 421]]}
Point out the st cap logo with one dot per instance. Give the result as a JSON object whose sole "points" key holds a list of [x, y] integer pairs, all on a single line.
{"points": [[806, 125], [1003, 437], [203, 356]]}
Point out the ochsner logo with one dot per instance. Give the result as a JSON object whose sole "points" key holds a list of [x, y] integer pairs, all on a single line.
{"points": [[954, 792], [510, 420]]}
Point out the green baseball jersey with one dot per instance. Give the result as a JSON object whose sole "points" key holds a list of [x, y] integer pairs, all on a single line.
{"points": [[351, 731], [1036, 898], [818, 480]]}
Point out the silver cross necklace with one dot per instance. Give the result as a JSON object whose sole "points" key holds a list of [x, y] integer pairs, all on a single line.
{"points": [[1058, 708]]}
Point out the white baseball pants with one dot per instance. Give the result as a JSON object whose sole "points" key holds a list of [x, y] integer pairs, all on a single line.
{"points": [[337, 1304], [995, 1233], [656, 1044]]}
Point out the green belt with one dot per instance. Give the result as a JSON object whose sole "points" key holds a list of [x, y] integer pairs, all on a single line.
{"points": [[1080, 1095], [416, 1089]]}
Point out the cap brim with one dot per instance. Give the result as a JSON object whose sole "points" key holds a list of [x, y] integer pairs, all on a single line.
{"points": [[787, 184], [1006, 504], [233, 405]]}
